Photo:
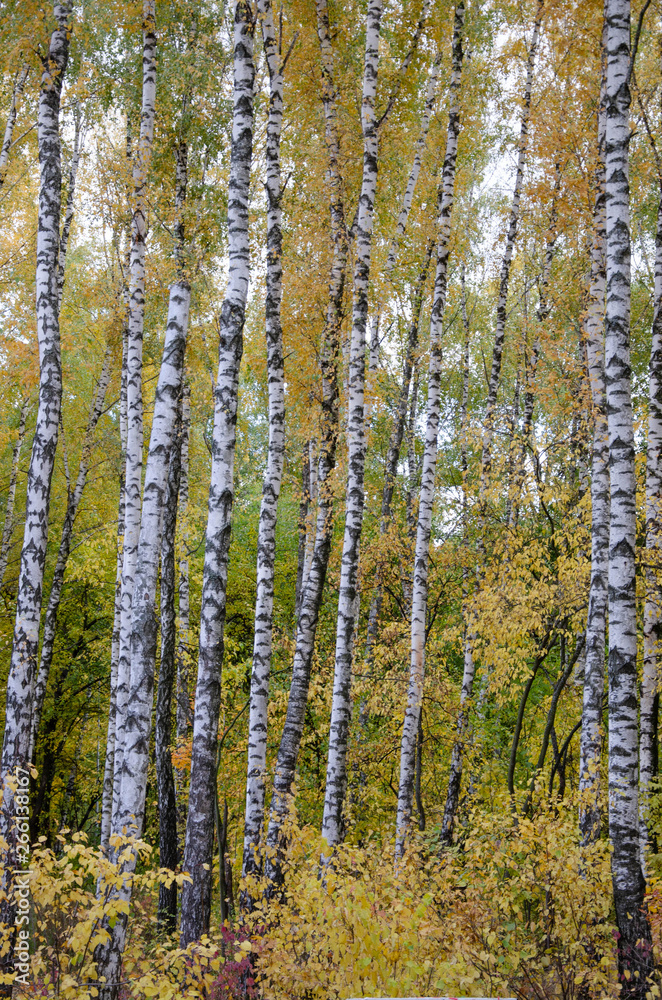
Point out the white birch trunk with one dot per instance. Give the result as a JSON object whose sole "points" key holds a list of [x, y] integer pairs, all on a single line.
{"points": [[183, 715], [426, 500], [19, 84], [288, 750], [348, 604], [50, 621], [504, 276], [79, 133], [107, 793], [635, 960], [18, 721], [650, 674], [196, 895], [8, 527], [266, 542], [134, 441], [590, 758]]}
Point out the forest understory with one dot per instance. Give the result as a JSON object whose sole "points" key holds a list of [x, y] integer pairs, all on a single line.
{"points": [[330, 499]]}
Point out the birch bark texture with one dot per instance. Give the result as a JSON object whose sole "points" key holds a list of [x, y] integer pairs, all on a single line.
{"points": [[504, 276], [273, 474], [311, 600], [19, 702], [348, 604], [134, 440], [426, 500], [166, 913], [635, 961], [590, 819], [650, 675], [196, 894], [107, 792]]}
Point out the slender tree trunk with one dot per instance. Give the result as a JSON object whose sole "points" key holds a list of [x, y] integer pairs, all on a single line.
{"points": [[348, 603], [288, 750], [266, 541], [596, 622], [650, 681], [8, 528], [134, 441], [107, 796], [18, 720], [468, 673], [184, 658], [635, 960], [426, 500], [19, 84], [165, 782], [395, 444], [504, 277], [79, 133], [304, 532], [50, 622], [196, 895]]}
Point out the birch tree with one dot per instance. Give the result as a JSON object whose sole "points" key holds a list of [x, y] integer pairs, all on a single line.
{"points": [[596, 623], [311, 599], [134, 438], [635, 960], [18, 719], [196, 894], [504, 274], [266, 542], [341, 706], [426, 500], [17, 91]]}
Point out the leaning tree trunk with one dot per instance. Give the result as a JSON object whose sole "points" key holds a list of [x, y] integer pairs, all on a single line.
{"points": [[130, 809], [348, 603], [134, 440], [50, 621], [590, 756], [266, 541], [288, 750], [649, 682], [166, 913], [504, 276], [635, 959], [18, 719], [8, 527], [19, 84], [196, 894], [426, 500]]}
